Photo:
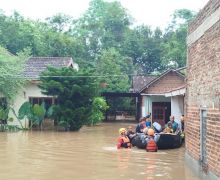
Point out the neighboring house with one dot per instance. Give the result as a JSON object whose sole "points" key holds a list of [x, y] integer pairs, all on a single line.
{"points": [[161, 95], [203, 92], [31, 92]]}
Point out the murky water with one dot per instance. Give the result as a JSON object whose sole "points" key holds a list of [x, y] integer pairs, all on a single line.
{"points": [[89, 154]]}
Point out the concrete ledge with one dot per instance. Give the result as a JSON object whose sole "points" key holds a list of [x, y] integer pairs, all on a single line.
{"points": [[206, 25], [196, 168]]}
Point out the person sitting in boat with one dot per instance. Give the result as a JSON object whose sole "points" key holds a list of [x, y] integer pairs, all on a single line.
{"points": [[144, 135], [182, 122], [182, 127], [141, 125], [168, 129], [151, 141], [130, 133], [148, 122], [123, 140], [174, 124], [178, 121]]}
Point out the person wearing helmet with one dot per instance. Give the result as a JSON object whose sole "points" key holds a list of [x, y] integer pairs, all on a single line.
{"points": [[123, 140], [151, 141]]}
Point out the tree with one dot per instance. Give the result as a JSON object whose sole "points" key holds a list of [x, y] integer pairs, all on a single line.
{"points": [[11, 68], [143, 46], [174, 40], [103, 26], [109, 67], [74, 91], [61, 22]]}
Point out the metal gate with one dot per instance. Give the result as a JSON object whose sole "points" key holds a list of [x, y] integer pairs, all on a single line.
{"points": [[203, 138]]}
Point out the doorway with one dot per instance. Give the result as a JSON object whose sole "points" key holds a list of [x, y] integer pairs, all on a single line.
{"points": [[161, 112]]}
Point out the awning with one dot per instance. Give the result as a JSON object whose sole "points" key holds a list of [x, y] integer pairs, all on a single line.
{"points": [[176, 92]]}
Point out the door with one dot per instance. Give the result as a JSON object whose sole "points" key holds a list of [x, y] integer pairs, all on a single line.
{"points": [[158, 114], [161, 112]]}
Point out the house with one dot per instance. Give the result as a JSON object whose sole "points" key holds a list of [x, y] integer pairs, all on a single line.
{"points": [[31, 92], [161, 95], [203, 92]]}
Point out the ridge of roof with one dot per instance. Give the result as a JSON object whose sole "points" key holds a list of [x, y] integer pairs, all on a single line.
{"points": [[49, 57], [36, 65], [139, 81], [160, 76]]}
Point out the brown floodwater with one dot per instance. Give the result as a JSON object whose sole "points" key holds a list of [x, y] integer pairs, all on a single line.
{"points": [[89, 154]]}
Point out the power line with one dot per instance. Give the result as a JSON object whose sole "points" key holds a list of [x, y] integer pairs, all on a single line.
{"points": [[89, 76]]}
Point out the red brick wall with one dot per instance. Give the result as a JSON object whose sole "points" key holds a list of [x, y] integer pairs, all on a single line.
{"points": [[167, 83], [203, 90], [192, 132], [210, 8], [213, 144]]}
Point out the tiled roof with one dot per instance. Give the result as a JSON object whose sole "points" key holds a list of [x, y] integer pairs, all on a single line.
{"points": [[36, 65], [178, 88], [140, 82], [162, 75]]}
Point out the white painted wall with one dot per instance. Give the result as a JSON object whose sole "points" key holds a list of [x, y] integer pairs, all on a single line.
{"points": [[148, 100], [30, 90], [177, 106]]}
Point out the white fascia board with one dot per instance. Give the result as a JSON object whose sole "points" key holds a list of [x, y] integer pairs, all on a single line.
{"points": [[176, 93], [144, 94]]}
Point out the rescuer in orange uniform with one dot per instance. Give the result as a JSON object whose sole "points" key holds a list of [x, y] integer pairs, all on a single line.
{"points": [[123, 140], [151, 143]]}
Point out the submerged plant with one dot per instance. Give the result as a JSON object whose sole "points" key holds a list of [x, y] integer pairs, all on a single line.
{"points": [[99, 105], [35, 113]]}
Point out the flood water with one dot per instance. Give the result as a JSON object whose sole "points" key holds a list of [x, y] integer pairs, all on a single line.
{"points": [[89, 154]]}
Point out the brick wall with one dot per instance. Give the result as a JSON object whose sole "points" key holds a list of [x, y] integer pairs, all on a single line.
{"points": [[166, 83], [210, 8], [203, 90]]}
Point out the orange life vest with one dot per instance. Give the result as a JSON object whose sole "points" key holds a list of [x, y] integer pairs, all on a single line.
{"points": [[151, 146], [125, 142]]}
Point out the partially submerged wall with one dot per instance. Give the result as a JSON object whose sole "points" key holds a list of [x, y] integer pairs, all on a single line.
{"points": [[203, 87]]}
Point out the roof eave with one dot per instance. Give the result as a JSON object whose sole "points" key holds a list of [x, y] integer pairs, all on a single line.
{"points": [[163, 74]]}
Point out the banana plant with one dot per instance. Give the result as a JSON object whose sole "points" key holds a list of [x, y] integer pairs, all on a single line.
{"points": [[35, 113]]}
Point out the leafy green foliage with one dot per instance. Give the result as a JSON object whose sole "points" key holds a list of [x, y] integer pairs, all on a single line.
{"points": [[174, 43], [143, 46], [11, 67], [4, 114], [74, 92], [35, 113], [103, 41], [38, 112], [99, 105], [110, 60], [25, 111]]}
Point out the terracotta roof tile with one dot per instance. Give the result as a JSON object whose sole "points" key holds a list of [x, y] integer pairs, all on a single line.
{"points": [[140, 82], [36, 65]]}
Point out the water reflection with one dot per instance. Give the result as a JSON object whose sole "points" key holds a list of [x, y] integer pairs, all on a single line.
{"points": [[88, 154]]}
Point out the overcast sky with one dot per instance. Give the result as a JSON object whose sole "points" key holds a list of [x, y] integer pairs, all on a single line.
{"points": [[151, 12]]}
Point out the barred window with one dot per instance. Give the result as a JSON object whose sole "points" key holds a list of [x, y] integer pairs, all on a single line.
{"points": [[48, 101]]}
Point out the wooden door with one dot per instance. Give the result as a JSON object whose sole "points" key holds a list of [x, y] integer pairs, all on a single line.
{"points": [[158, 114]]}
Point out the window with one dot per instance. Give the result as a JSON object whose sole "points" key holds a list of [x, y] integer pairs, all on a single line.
{"points": [[49, 101]]}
